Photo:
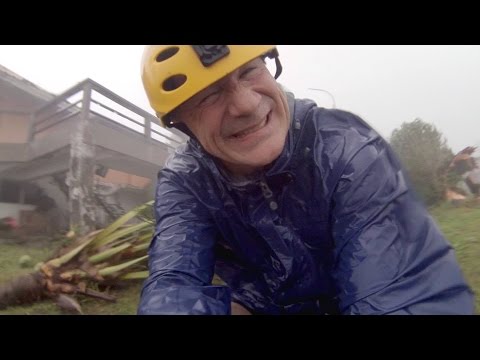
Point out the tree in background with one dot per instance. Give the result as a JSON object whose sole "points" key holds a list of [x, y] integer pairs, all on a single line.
{"points": [[426, 156]]}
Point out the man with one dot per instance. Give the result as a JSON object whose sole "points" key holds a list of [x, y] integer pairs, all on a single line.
{"points": [[298, 209]]}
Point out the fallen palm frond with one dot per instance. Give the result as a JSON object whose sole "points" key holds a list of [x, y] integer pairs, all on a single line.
{"points": [[105, 256]]}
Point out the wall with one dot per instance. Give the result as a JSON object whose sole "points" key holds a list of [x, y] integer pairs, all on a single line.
{"points": [[13, 127], [13, 210], [58, 215], [123, 178], [128, 199]]}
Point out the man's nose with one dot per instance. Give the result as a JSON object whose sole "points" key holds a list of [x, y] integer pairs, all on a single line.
{"points": [[243, 101]]}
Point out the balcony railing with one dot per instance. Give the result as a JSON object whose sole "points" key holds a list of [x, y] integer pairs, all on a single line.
{"points": [[105, 104]]}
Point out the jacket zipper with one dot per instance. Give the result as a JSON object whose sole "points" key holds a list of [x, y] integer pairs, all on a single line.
{"points": [[267, 194]]}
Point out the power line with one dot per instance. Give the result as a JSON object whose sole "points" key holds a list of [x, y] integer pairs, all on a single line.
{"points": [[329, 93]]}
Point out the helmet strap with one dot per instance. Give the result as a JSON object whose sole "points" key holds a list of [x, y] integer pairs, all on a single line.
{"points": [[278, 65], [273, 54]]}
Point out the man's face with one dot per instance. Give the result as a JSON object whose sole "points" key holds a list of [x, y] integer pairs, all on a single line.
{"points": [[242, 119]]}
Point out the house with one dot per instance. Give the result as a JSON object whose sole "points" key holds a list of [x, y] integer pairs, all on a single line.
{"points": [[467, 167], [81, 158]]}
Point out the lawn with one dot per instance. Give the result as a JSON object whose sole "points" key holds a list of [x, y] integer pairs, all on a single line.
{"points": [[127, 296], [461, 225]]}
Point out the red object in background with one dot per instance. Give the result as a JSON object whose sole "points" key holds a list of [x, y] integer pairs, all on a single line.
{"points": [[8, 223]]}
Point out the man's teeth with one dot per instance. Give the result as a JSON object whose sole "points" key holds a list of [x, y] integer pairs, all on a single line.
{"points": [[249, 131]]}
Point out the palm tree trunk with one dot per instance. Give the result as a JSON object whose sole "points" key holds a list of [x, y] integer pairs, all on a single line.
{"points": [[24, 289]]}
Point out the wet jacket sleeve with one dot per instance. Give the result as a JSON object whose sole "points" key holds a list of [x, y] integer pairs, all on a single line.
{"points": [[181, 257], [391, 257]]}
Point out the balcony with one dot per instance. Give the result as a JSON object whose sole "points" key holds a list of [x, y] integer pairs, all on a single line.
{"points": [[126, 138]]}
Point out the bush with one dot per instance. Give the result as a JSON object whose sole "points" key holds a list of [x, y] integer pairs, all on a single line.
{"points": [[425, 155]]}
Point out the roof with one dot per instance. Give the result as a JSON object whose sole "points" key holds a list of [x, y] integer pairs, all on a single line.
{"points": [[19, 82]]}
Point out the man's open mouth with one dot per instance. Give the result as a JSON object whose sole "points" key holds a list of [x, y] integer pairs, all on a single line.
{"points": [[252, 129]]}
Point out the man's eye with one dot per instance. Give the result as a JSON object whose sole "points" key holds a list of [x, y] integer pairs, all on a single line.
{"points": [[248, 72], [210, 98]]}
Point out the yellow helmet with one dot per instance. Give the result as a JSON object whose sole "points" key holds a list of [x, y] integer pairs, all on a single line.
{"points": [[172, 74]]}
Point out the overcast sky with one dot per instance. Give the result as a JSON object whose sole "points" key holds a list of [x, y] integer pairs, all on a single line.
{"points": [[385, 85]]}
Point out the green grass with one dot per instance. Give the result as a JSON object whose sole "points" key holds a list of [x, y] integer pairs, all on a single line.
{"points": [[127, 296], [126, 304], [10, 253], [461, 226]]}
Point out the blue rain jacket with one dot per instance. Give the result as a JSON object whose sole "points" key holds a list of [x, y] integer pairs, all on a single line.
{"points": [[331, 227]]}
